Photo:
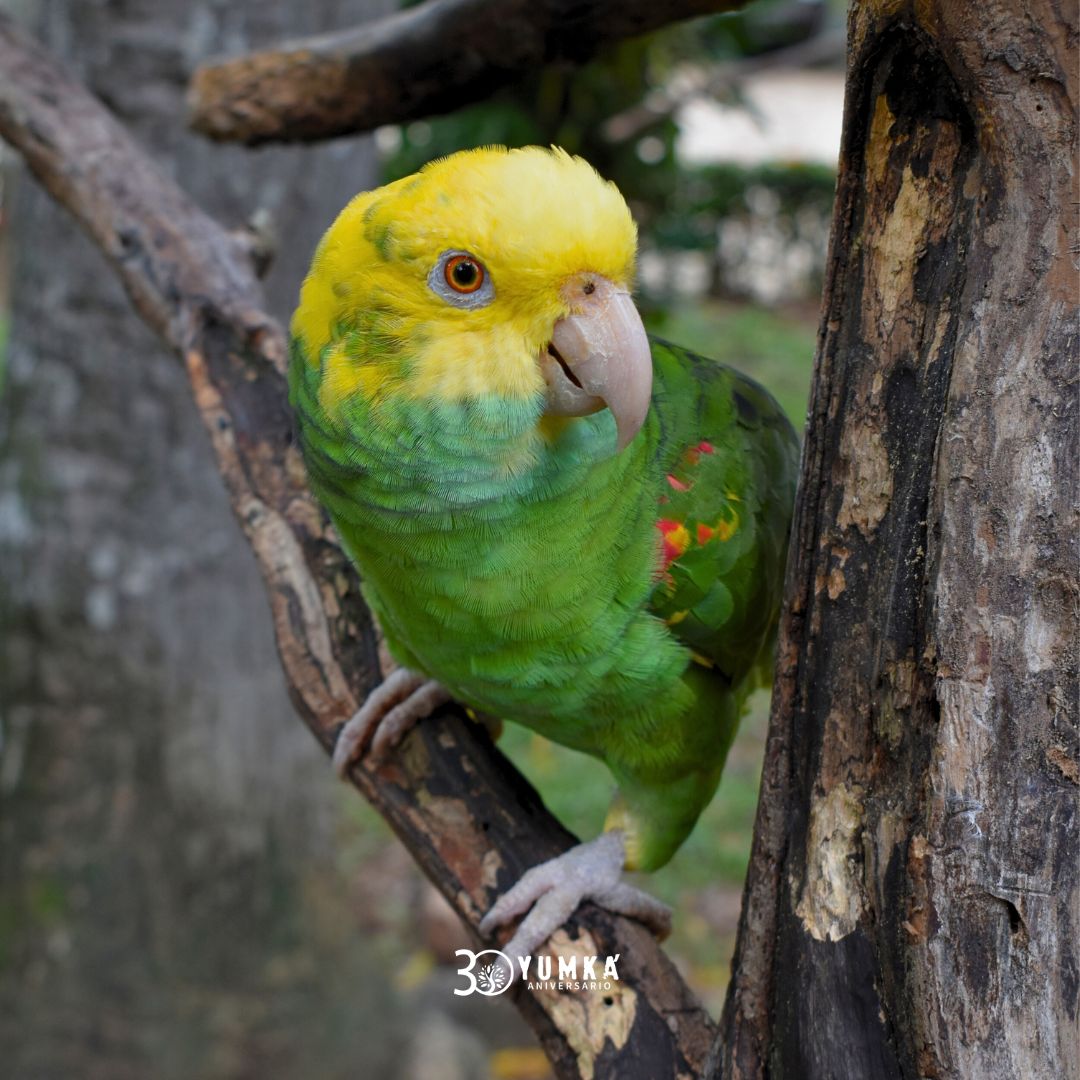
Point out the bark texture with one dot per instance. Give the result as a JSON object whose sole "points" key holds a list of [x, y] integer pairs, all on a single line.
{"points": [[170, 898], [469, 820], [428, 59], [911, 909]]}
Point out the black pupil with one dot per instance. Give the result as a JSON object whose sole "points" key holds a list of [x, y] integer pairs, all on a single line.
{"points": [[465, 273]]}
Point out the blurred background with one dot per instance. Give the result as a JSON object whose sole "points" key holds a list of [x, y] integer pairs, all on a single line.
{"points": [[184, 891]]}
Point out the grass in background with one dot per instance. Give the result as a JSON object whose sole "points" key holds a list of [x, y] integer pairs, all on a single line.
{"points": [[775, 347]]}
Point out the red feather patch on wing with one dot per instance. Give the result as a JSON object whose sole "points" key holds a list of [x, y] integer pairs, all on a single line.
{"points": [[677, 536], [676, 539]]}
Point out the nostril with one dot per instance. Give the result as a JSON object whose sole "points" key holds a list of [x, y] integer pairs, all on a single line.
{"points": [[589, 288]]}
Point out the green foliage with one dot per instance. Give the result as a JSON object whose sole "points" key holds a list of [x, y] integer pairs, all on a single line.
{"points": [[703, 196]]}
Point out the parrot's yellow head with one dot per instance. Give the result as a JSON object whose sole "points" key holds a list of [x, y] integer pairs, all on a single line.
{"points": [[488, 273]]}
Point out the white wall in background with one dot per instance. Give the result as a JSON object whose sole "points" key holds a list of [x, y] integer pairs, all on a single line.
{"points": [[789, 116]]}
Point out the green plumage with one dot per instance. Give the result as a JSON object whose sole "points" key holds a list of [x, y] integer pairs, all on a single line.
{"points": [[526, 572]]}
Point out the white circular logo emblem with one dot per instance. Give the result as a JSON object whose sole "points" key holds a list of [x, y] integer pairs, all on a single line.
{"points": [[489, 972]]}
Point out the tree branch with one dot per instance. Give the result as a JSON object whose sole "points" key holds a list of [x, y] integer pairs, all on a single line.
{"points": [[429, 59], [467, 817]]}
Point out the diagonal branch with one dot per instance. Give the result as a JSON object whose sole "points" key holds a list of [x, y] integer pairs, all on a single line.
{"points": [[467, 817], [432, 58]]}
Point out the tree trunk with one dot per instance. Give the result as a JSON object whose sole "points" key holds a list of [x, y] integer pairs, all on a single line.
{"points": [[911, 906], [165, 824]]}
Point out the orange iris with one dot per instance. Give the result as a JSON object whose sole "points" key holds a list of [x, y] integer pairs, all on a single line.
{"points": [[464, 274]]}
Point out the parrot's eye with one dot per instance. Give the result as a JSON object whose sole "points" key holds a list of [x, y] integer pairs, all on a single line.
{"points": [[461, 279], [464, 274]]}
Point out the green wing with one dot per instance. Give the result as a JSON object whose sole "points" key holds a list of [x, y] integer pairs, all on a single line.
{"points": [[730, 461]]}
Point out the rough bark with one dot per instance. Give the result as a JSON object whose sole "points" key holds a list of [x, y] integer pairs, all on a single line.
{"points": [[912, 900], [172, 896], [429, 59], [469, 820]]}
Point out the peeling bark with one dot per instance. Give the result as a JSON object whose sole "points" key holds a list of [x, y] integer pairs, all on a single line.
{"points": [[470, 821], [912, 899]]}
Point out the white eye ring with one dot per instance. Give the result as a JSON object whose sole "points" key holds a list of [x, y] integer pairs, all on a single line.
{"points": [[478, 298]]}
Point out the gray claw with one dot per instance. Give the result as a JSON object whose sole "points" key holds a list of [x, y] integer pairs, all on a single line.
{"points": [[551, 892], [391, 709]]}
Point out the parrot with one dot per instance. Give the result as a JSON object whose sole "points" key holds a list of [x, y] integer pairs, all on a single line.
{"points": [[557, 520]]}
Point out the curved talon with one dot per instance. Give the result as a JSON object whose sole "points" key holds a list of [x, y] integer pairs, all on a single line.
{"points": [[423, 701], [551, 892], [389, 711]]}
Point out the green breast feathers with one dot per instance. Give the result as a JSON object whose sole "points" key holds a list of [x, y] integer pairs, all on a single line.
{"points": [[557, 521]]}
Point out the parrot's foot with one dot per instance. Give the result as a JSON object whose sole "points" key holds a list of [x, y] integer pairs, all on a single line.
{"points": [[590, 871], [390, 710]]}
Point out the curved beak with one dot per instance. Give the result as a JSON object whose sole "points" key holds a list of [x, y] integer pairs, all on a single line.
{"points": [[599, 356]]}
